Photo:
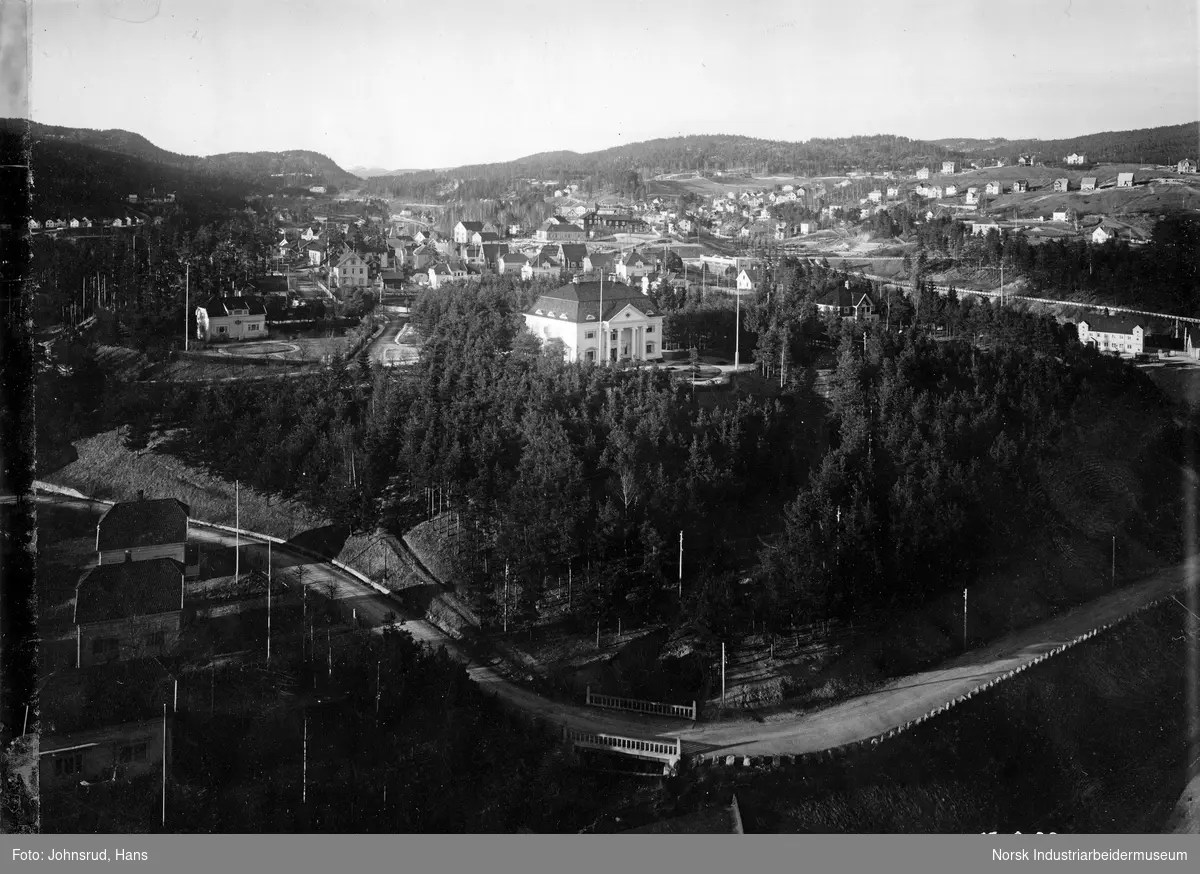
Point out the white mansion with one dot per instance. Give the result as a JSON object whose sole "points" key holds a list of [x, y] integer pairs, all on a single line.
{"points": [[630, 325]]}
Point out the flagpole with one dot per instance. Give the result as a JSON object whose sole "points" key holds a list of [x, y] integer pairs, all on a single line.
{"points": [[268, 600]]}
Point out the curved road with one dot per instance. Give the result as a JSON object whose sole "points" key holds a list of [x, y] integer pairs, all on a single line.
{"points": [[892, 706]]}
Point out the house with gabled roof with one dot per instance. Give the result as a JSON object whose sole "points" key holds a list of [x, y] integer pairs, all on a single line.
{"points": [[1123, 334], [464, 230], [1020, 186], [142, 530], [600, 262], [1062, 184], [1124, 180], [1074, 158], [512, 262], [491, 254], [1187, 165], [572, 255], [552, 231], [128, 610], [599, 321], [1088, 183], [544, 263], [231, 318], [634, 265], [844, 302]]}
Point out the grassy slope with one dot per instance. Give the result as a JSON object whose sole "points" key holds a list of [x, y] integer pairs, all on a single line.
{"points": [[106, 469]]}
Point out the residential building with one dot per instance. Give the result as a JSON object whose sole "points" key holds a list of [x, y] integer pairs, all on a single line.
{"points": [[572, 255], [875, 196], [552, 231], [464, 230], [447, 271], [629, 327], [1123, 334], [350, 271], [1025, 160], [634, 266], [1073, 158], [950, 190], [847, 303], [1062, 184], [949, 167], [893, 191], [1062, 215], [544, 263], [1088, 183], [923, 173], [422, 257], [104, 724], [1020, 186], [992, 189], [748, 279], [512, 262], [231, 318], [491, 254], [972, 195], [1124, 180], [601, 262], [608, 220], [142, 530], [1187, 165], [808, 227], [128, 610], [983, 227]]}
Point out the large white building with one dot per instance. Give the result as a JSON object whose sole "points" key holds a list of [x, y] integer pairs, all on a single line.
{"points": [[628, 327], [1122, 334]]}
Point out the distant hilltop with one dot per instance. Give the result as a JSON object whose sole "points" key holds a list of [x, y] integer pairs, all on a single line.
{"points": [[371, 172]]}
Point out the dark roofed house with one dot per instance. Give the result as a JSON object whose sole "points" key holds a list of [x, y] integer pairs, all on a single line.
{"points": [[464, 230], [572, 255], [511, 262], [843, 301], [128, 611], [600, 262], [231, 318], [1119, 334], [142, 530], [104, 723], [492, 253]]}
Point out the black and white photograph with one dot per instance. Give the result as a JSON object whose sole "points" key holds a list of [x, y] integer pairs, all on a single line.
{"points": [[630, 418]]}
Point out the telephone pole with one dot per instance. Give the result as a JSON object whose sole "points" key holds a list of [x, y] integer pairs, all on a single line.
{"points": [[680, 565]]}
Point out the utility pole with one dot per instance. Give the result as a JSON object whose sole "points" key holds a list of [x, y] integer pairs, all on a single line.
{"points": [[964, 618], [506, 597], [304, 766], [164, 767], [1114, 560], [237, 529], [268, 601], [737, 331], [722, 675], [680, 565], [187, 270]]}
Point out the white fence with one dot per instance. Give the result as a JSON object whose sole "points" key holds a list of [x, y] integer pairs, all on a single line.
{"points": [[658, 708]]}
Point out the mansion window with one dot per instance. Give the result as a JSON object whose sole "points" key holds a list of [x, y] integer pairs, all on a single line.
{"points": [[649, 348], [650, 329], [590, 335]]}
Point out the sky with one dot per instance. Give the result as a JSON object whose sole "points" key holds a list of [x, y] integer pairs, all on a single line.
{"points": [[404, 85]]}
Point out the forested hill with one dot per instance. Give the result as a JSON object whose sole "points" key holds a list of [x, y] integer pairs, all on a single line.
{"points": [[258, 169], [727, 153], [1158, 145]]}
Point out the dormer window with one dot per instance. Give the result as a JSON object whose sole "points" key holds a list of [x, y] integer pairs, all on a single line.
{"points": [[591, 318], [539, 312]]}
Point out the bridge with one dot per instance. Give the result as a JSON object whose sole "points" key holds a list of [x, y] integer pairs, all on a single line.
{"points": [[669, 752]]}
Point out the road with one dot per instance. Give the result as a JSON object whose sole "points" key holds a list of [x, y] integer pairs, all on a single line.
{"points": [[786, 733], [396, 345]]}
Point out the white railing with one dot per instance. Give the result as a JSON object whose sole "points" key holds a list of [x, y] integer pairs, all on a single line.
{"points": [[658, 708], [669, 751]]}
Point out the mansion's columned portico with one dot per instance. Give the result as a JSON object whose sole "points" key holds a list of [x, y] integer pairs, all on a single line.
{"points": [[628, 327]]}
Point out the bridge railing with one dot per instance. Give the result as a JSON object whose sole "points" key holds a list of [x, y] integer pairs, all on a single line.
{"points": [[671, 751], [657, 708]]}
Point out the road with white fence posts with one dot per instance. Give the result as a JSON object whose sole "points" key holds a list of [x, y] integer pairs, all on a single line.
{"points": [[870, 718]]}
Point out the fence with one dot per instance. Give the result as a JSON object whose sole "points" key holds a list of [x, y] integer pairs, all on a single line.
{"points": [[656, 707], [668, 751]]}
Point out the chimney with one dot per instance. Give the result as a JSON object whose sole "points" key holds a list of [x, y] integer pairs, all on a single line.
{"points": [[141, 495]]}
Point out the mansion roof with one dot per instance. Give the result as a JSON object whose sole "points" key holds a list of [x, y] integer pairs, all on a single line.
{"points": [[580, 302]]}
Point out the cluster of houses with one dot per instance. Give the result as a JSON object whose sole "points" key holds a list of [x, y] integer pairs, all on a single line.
{"points": [[57, 224]]}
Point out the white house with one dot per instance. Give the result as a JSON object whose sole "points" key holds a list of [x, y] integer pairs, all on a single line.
{"points": [[1187, 165], [350, 271], [231, 318], [923, 173], [628, 327], [1123, 334], [808, 227], [1076, 159], [1102, 234], [1062, 184], [1062, 215], [634, 266], [893, 191], [1088, 183], [951, 190], [1124, 180], [512, 262], [948, 167], [747, 279], [992, 188], [875, 196], [972, 195]]}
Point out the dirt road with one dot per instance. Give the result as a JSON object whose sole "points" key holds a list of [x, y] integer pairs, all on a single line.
{"points": [[784, 733]]}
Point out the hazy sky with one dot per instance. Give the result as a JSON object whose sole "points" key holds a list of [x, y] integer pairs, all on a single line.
{"points": [[405, 85]]}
